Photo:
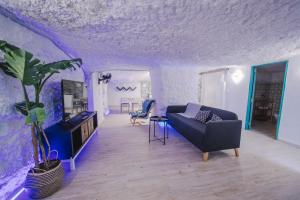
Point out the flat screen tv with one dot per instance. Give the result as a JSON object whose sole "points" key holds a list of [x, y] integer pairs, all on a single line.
{"points": [[74, 98]]}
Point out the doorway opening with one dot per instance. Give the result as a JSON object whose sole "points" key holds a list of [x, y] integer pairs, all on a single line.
{"points": [[266, 95], [127, 90]]}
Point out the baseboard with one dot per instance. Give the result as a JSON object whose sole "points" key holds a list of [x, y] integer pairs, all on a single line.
{"points": [[289, 143]]}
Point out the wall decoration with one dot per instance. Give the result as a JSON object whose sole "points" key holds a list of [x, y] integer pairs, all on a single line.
{"points": [[125, 89], [105, 78]]}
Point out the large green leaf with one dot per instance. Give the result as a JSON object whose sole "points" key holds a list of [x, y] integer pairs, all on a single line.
{"points": [[21, 106], [36, 115], [55, 67], [20, 64], [5, 67], [47, 70]]}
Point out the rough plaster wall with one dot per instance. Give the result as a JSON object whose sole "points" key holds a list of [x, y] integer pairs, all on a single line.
{"points": [[153, 32], [237, 93], [157, 89], [289, 126], [105, 99], [15, 143], [146, 91], [179, 85], [174, 85], [98, 93], [161, 34], [237, 98]]}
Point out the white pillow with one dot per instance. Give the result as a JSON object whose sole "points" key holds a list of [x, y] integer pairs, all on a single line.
{"points": [[191, 110]]}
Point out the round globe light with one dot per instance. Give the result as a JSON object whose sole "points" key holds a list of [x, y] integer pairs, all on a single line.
{"points": [[237, 76]]}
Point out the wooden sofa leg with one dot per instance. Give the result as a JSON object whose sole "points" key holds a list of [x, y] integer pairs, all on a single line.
{"points": [[237, 153], [205, 156]]}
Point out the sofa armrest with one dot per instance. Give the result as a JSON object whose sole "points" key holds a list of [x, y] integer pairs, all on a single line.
{"points": [[176, 109], [222, 135]]}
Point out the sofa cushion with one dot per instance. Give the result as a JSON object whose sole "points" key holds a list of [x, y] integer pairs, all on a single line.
{"points": [[187, 124], [202, 116], [224, 114], [191, 110], [196, 125], [191, 129], [214, 118]]}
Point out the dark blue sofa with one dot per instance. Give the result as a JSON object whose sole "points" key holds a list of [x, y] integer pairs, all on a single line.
{"points": [[212, 136]]}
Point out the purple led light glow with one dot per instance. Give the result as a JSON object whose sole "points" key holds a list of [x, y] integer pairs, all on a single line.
{"points": [[10, 184], [18, 194], [107, 112], [16, 157]]}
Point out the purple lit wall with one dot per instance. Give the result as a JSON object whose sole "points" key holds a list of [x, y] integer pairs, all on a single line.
{"points": [[15, 143]]}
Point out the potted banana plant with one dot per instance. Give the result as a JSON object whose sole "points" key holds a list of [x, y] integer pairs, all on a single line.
{"points": [[46, 176]]}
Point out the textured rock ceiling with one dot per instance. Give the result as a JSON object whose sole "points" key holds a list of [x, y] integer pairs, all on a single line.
{"points": [[107, 33], [129, 76]]}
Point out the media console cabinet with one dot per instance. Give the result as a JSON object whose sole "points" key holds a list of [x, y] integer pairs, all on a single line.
{"points": [[69, 138]]}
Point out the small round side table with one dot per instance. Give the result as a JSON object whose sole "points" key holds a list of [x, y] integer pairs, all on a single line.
{"points": [[157, 119]]}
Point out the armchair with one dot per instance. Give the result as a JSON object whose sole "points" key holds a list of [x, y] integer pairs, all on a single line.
{"points": [[142, 114]]}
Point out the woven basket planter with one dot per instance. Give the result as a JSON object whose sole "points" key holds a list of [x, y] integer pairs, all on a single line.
{"points": [[41, 185]]}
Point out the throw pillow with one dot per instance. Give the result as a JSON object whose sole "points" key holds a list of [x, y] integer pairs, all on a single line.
{"points": [[202, 115], [215, 118], [191, 110]]}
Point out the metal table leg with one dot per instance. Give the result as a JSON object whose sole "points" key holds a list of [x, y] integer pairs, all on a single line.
{"points": [[167, 130], [154, 128], [149, 130], [164, 133]]}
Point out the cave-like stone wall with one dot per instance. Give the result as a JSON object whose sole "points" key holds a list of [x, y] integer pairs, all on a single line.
{"points": [[202, 32], [15, 143], [174, 85]]}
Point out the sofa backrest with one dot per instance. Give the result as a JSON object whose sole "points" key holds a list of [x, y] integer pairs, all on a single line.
{"points": [[224, 114]]}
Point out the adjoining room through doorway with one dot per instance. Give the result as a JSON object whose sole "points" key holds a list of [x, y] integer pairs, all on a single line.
{"points": [[268, 83]]}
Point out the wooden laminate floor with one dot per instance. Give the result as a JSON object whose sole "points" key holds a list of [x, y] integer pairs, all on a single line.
{"points": [[119, 164]]}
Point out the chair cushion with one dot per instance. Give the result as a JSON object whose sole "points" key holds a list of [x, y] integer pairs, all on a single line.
{"points": [[147, 105], [137, 114], [146, 109]]}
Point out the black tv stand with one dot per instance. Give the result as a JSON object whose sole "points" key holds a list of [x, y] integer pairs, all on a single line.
{"points": [[84, 117], [70, 137]]}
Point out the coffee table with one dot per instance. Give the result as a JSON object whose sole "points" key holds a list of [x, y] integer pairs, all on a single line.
{"points": [[158, 119]]}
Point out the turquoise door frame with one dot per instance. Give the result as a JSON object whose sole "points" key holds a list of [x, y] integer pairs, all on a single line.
{"points": [[250, 98], [252, 92]]}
